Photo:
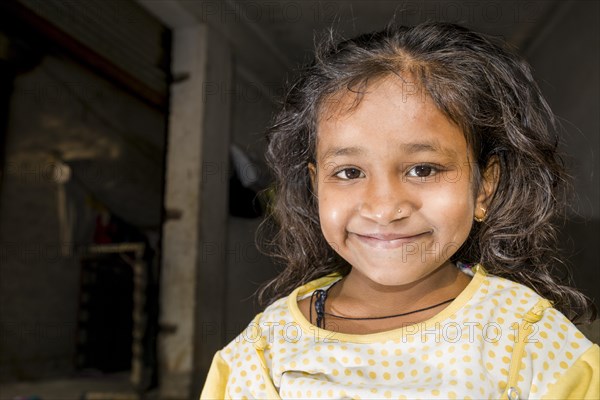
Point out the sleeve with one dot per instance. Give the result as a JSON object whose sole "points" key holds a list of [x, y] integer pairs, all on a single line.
{"points": [[581, 381], [216, 380]]}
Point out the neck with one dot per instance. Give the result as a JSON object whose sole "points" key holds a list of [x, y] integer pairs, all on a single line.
{"points": [[356, 295]]}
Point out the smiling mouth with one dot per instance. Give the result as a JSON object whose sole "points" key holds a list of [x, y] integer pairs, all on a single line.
{"points": [[388, 241]]}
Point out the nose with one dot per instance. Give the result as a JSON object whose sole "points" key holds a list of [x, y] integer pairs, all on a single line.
{"points": [[386, 200]]}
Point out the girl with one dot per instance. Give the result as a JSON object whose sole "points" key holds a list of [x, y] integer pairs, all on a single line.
{"points": [[402, 157]]}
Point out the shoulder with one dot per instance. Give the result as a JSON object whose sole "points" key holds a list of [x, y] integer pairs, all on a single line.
{"points": [[274, 315], [507, 301], [498, 304], [552, 343], [512, 302], [243, 366], [507, 293]]}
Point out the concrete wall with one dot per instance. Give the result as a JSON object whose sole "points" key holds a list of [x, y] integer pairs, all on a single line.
{"points": [[231, 101]]}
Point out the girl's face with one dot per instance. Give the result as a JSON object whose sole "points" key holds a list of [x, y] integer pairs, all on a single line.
{"points": [[393, 181]]}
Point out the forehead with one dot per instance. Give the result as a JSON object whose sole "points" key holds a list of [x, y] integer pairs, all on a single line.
{"points": [[392, 111], [349, 98]]}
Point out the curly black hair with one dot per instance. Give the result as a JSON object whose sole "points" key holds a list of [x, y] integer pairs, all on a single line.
{"points": [[485, 89]]}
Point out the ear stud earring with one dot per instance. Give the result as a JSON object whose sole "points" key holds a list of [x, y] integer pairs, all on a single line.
{"points": [[480, 219]]}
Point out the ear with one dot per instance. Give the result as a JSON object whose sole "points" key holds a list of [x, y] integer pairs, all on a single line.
{"points": [[487, 188], [312, 172]]}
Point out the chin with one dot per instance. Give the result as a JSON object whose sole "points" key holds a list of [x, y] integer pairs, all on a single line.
{"points": [[392, 273], [393, 278]]}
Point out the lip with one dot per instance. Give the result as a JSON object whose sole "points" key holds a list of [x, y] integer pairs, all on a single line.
{"points": [[388, 240]]}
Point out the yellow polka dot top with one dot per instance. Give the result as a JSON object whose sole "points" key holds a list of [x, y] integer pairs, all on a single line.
{"points": [[497, 339]]}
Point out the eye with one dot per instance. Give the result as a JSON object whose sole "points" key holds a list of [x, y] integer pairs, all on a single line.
{"points": [[350, 173], [423, 171]]}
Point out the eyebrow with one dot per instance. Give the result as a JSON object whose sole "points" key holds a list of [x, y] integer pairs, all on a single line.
{"points": [[343, 151], [409, 148], [424, 147]]}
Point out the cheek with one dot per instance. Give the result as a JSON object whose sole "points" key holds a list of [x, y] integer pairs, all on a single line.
{"points": [[331, 214], [452, 209]]}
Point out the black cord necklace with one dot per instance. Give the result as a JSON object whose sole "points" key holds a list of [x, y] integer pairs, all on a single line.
{"points": [[320, 296]]}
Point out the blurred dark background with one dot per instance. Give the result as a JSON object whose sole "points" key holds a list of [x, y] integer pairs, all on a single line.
{"points": [[131, 148]]}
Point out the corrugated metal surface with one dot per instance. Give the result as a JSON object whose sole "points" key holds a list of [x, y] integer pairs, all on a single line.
{"points": [[118, 30]]}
